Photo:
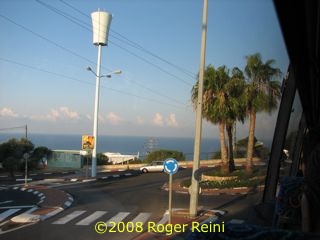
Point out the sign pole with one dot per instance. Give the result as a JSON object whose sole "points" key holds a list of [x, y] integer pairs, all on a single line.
{"points": [[87, 166], [87, 145], [170, 198], [170, 166]]}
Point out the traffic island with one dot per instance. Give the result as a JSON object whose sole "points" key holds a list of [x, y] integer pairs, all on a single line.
{"points": [[178, 188]]}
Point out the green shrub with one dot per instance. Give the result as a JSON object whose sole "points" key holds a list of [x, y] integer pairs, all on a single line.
{"points": [[240, 173], [233, 183], [162, 154], [242, 180]]}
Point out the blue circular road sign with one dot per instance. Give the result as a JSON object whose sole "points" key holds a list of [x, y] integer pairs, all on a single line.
{"points": [[170, 166]]}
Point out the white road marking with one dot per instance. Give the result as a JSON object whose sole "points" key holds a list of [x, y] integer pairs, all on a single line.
{"points": [[8, 213], [9, 201], [94, 216], [22, 206], [141, 217], [69, 217], [117, 218]]}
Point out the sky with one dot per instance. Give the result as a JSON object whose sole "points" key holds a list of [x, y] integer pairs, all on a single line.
{"points": [[46, 46]]}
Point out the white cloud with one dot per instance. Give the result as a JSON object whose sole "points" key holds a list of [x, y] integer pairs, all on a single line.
{"points": [[69, 114], [8, 112], [53, 115], [114, 119], [158, 120], [172, 121], [169, 121], [56, 114]]}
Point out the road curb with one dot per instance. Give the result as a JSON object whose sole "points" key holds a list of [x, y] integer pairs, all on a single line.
{"points": [[50, 202], [89, 179], [213, 192]]}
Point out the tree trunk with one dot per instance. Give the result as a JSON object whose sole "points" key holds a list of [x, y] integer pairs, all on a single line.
{"points": [[229, 128], [223, 148], [251, 142]]}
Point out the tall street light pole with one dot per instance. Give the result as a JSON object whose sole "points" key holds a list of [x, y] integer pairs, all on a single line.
{"points": [[194, 188], [96, 112], [101, 23]]}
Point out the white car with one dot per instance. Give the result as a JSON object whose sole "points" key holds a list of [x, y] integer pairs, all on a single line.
{"points": [[155, 166]]}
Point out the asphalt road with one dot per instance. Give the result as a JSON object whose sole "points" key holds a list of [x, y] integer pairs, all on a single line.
{"points": [[134, 200]]}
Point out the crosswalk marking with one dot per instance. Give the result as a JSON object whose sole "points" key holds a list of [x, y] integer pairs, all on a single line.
{"points": [[117, 218], [8, 213], [69, 217], [86, 218], [141, 217], [94, 216]]}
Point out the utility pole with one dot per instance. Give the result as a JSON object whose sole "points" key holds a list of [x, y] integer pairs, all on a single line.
{"points": [[194, 188]]}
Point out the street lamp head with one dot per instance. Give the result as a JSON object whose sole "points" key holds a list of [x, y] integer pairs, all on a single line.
{"points": [[109, 75], [106, 75], [90, 69], [117, 71]]}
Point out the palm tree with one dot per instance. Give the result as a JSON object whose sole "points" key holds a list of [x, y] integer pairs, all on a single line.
{"points": [[262, 93], [213, 109], [236, 109], [221, 105]]}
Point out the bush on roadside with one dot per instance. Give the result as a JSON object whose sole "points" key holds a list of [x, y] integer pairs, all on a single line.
{"points": [[162, 154], [232, 183], [242, 180], [239, 172]]}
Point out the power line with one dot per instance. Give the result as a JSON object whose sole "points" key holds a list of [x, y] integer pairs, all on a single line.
{"points": [[139, 47], [13, 128], [91, 83], [136, 45], [45, 71], [152, 64], [74, 20], [84, 25], [25, 127], [73, 53], [46, 39]]}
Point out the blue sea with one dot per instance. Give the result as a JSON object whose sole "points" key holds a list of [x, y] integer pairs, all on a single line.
{"points": [[122, 144]]}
